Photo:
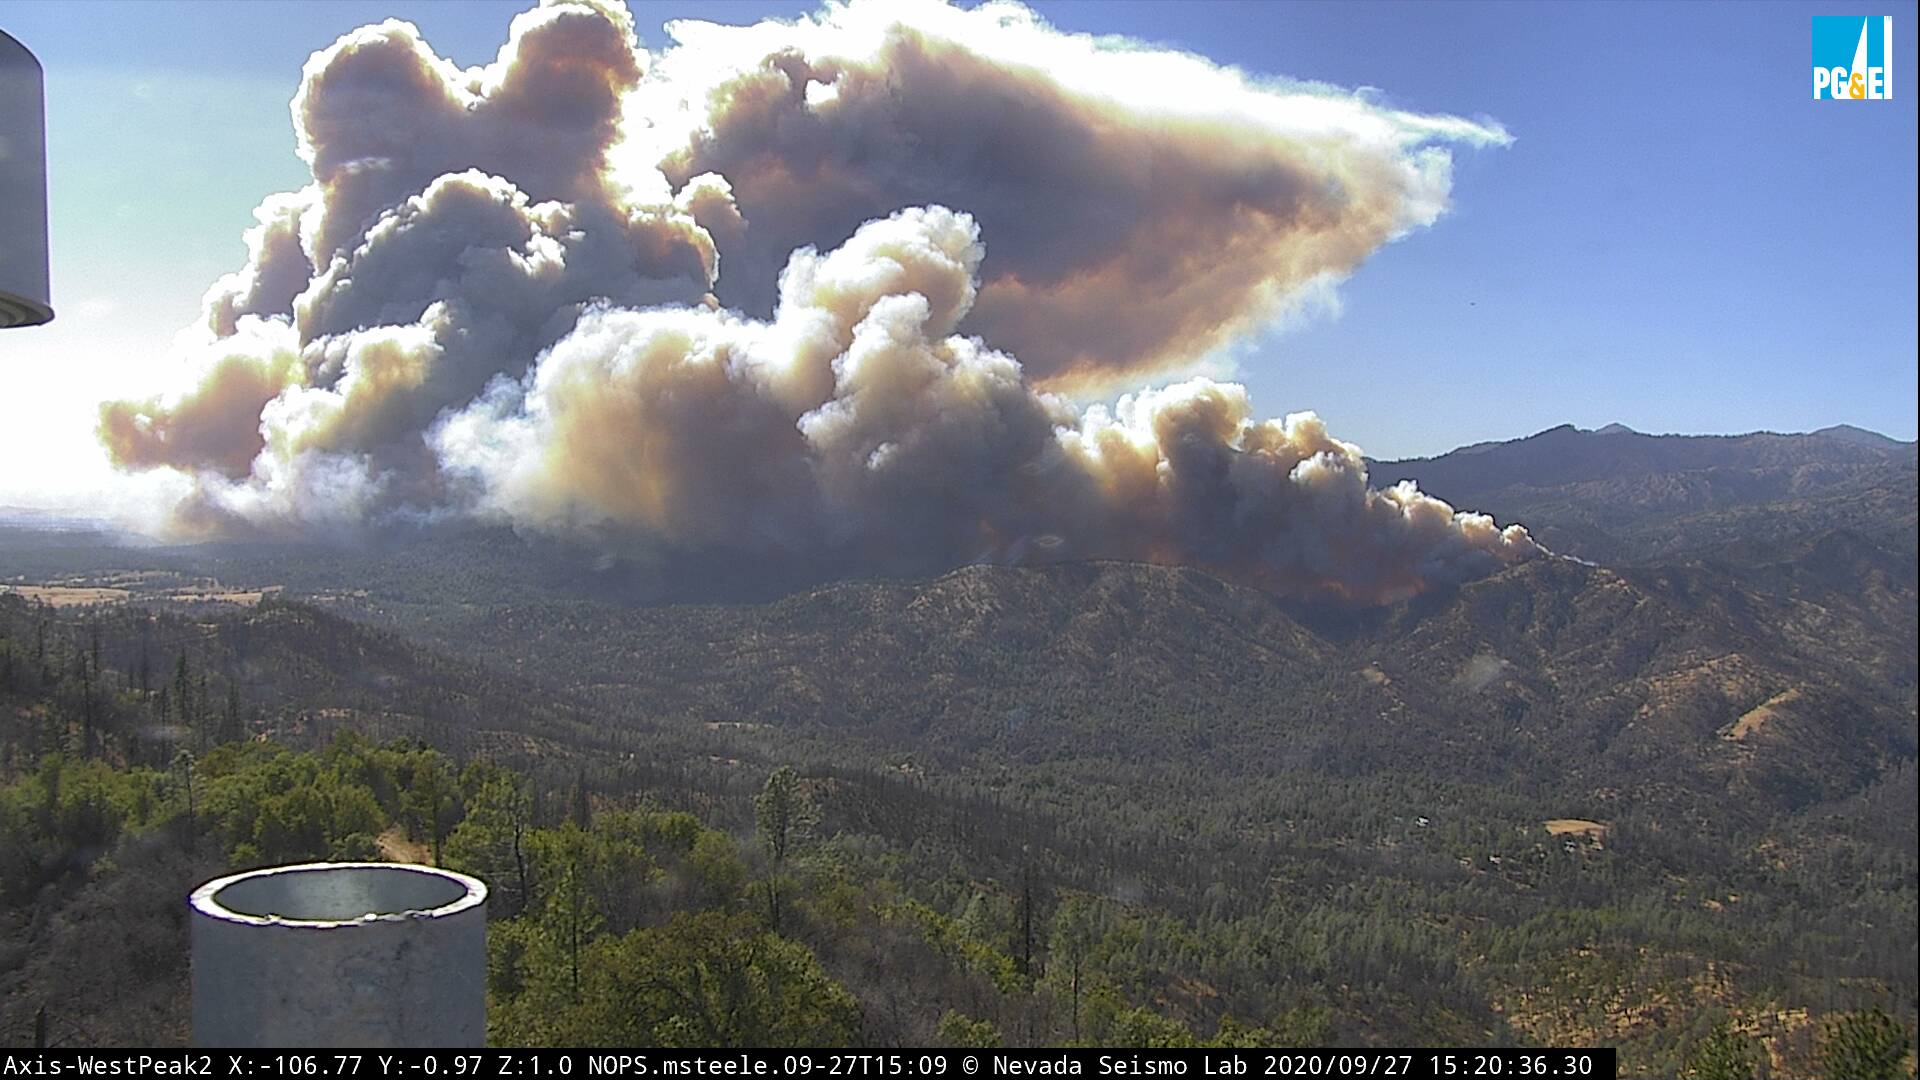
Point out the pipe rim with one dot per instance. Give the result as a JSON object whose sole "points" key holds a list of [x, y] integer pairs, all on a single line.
{"points": [[204, 902], [22, 311]]}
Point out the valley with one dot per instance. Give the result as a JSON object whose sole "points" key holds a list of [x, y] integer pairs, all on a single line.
{"points": [[1569, 802]]}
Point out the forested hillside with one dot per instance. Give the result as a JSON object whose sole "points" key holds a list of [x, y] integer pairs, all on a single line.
{"points": [[1667, 809], [764, 915]]}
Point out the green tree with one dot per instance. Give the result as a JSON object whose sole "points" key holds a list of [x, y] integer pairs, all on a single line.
{"points": [[183, 705], [1142, 1028], [579, 808], [618, 868], [1866, 1045], [1023, 942], [180, 775], [956, 1029], [715, 980], [1305, 1024], [430, 799], [491, 840], [232, 729], [782, 813], [1072, 942], [714, 865], [1233, 1033], [1722, 1054], [568, 916], [88, 674], [267, 804]]}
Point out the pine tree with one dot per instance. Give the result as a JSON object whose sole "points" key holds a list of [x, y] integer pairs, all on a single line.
{"points": [[86, 679], [1072, 942], [183, 699], [579, 809], [1023, 925], [1866, 1045], [1724, 1054], [781, 812], [430, 795], [231, 728], [182, 770]]}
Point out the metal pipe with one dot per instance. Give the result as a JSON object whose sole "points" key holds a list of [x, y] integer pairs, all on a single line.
{"points": [[340, 954], [24, 296]]}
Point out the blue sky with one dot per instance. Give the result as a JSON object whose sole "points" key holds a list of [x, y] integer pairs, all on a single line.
{"points": [[1679, 238]]}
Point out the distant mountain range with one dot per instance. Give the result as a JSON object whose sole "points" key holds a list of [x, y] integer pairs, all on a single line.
{"points": [[1688, 747], [1615, 495]]}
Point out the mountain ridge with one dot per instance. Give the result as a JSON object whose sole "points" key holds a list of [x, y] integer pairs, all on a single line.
{"points": [[1626, 497], [1842, 432]]}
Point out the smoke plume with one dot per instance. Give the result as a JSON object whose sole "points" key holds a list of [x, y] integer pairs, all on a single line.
{"points": [[807, 296], [1142, 206]]}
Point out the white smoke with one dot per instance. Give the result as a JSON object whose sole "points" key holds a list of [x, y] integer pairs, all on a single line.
{"points": [[508, 295]]}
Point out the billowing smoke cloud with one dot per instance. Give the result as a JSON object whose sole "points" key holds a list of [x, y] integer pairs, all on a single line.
{"points": [[1142, 206], [509, 295]]}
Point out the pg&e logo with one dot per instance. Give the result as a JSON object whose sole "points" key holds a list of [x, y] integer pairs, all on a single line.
{"points": [[1852, 58]]}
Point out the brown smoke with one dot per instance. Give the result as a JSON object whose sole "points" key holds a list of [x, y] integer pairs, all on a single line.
{"points": [[1143, 207], [856, 422], [501, 298]]}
